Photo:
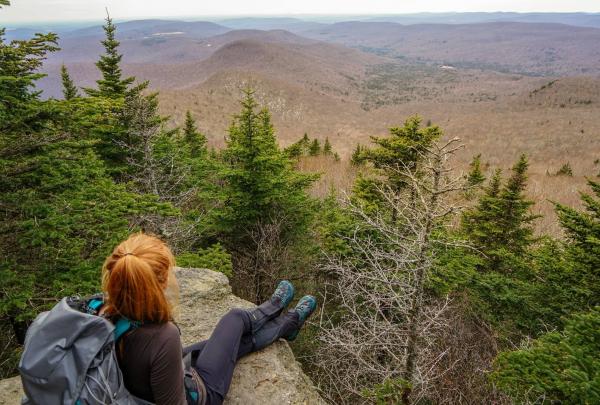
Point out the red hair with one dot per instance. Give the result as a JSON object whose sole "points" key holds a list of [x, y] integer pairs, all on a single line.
{"points": [[134, 279]]}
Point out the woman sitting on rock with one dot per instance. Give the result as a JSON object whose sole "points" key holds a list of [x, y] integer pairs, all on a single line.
{"points": [[135, 277]]}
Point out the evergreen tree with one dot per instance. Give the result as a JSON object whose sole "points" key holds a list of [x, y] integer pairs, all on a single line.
{"points": [[4, 3], [358, 155], [298, 148], [113, 128], [501, 224], [61, 214], [315, 148], [69, 89], [261, 190], [475, 177], [583, 231], [327, 150], [517, 220], [19, 64], [403, 148], [195, 140], [111, 85], [293, 151]]}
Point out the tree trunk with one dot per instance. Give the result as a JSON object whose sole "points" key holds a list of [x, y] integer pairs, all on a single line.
{"points": [[417, 301]]}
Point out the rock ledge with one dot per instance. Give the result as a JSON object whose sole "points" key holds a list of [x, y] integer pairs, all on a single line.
{"points": [[271, 376]]}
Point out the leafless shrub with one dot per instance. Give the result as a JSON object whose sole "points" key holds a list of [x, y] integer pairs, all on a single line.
{"points": [[264, 260], [157, 167], [383, 325], [469, 347]]}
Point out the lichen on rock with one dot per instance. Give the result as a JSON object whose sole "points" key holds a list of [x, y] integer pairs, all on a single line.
{"points": [[271, 376]]}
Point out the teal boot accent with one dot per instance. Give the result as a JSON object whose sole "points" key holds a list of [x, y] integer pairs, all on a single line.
{"points": [[305, 307], [284, 294], [272, 308]]}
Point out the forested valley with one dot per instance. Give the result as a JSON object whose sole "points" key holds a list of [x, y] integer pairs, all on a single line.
{"points": [[433, 285]]}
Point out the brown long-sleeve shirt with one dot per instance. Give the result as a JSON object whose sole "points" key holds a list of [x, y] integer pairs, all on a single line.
{"points": [[151, 364]]}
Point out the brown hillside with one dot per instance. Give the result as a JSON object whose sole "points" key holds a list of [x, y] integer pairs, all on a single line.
{"points": [[566, 92], [348, 95], [539, 49]]}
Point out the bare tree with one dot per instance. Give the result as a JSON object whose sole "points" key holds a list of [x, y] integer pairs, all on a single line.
{"points": [[158, 166], [384, 326], [268, 258]]}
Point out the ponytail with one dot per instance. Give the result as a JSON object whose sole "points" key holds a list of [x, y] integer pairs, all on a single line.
{"points": [[134, 278]]}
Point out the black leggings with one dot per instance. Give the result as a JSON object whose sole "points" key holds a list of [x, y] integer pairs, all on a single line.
{"points": [[214, 359]]}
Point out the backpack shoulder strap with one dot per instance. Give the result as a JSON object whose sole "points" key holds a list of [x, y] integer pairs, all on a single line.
{"points": [[124, 325], [121, 327]]}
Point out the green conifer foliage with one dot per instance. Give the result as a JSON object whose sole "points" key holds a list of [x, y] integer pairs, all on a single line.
{"points": [[315, 148], [111, 85], [403, 148], [327, 149], [69, 88], [501, 224], [259, 177], [260, 185], [195, 140], [298, 148], [358, 155], [293, 151], [475, 177], [19, 64], [560, 367], [583, 230], [118, 99], [61, 213]]}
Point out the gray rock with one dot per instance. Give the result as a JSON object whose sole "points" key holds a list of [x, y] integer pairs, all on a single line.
{"points": [[271, 376]]}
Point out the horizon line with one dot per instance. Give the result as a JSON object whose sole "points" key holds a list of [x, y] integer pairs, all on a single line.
{"points": [[278, 15]]}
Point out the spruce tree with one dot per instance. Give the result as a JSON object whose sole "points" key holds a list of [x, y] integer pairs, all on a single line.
{"points": [[583, 231], [195, 140], [501, 224], [19, 65], [261, 190], [61, 213], [315, 148], [111, 85], [294, 151], [475, 177], [69, 89], [358, 155], [517, 220], [402, 149], [118, 100], [327, 149]]}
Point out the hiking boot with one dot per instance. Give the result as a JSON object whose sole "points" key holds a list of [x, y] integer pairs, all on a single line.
{"points": [[284, 294], [304, 308], [272, 308]]}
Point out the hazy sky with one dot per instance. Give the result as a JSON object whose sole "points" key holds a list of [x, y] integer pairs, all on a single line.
{"points": [[65, 10]]}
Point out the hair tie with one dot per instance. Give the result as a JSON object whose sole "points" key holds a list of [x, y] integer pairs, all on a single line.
{"points": [[128, 253]]}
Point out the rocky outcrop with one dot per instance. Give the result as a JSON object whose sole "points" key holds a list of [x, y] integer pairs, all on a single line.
{"points": [[271, 376]]}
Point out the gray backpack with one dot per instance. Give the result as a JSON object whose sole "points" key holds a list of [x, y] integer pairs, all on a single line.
{"points": [[69, 358]]}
